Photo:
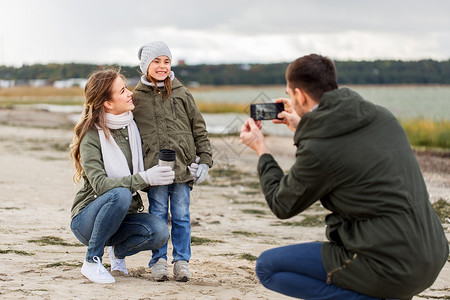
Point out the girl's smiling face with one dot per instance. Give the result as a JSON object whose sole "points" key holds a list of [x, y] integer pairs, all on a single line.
{"points": [[159, 68]]}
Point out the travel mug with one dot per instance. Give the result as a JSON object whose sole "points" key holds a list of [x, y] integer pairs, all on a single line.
{"points": [[166, 157]]}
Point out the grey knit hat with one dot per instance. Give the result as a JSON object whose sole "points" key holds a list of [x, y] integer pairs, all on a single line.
{"points": [[149, 52]]}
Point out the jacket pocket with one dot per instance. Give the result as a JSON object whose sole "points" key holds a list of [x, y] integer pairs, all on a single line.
{"points": [[174, 109], [145, 150], [187, 146], [187, 155], [149, 151], [334, 223], [180, 115]]}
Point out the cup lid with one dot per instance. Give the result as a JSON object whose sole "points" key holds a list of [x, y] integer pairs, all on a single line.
{"points": [[166, 154]]}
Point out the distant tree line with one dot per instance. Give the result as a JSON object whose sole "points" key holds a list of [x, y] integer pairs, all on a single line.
{"points": [[53, 72], [349, 72]]}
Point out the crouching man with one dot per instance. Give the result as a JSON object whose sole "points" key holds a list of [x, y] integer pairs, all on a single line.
{"points": [[384, 238]]}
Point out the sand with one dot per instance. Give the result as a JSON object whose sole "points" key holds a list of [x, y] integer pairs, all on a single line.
{"points": [[41, 259]]}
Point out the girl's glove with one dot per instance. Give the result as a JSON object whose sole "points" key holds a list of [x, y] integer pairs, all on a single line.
{"points": [[193, 168], [158, 175], [201, 173], [198, 172]]}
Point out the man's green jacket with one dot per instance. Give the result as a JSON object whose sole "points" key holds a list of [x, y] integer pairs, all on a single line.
{"points": [[385, 239]]}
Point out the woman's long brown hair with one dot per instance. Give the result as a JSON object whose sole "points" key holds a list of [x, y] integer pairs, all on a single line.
{"points": [[97, 91]]}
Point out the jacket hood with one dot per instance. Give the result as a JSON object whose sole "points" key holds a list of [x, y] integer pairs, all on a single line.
{"points": [[340, 111]]}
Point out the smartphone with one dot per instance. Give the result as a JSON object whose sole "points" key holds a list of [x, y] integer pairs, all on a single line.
{"points": [[265, 111]]}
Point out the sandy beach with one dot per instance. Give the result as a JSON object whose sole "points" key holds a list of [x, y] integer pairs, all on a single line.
{"points": [[40, 258]]}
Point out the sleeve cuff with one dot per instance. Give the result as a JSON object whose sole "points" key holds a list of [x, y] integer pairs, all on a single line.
{"points": [[142, 174]]}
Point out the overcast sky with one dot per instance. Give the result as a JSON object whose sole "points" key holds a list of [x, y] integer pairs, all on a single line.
{"points": [[231, 31]]}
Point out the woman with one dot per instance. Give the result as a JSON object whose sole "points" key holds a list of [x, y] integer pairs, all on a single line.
{"points": [[107, 153]]}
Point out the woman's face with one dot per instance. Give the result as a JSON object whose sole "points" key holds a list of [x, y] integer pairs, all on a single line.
{"points": [[121, 100], [159, 68]]}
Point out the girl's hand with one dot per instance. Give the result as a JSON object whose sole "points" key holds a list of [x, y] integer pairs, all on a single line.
{"points": [[198, 172], [202, 171], [193, 168]]}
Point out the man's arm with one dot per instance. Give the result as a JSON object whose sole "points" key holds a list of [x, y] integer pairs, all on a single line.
{"points": [[290, 194], [286, 195]]}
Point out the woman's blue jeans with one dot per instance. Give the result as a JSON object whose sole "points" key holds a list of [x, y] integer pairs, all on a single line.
{"points": [[298, 271], [178, 194], [105, 222]]}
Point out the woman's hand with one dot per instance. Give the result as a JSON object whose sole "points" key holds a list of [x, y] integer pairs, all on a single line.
{"points": [[159, 175]]}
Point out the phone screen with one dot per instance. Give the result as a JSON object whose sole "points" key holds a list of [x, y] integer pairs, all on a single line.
{"points": [[265, 111]]}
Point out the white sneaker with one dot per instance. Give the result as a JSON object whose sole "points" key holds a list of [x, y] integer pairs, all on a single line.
{"points": [[160, 270], [117, 263], [181, 271], [96, 272]]}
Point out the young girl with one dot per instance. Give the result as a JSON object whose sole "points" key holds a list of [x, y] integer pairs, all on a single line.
{"points": [[168, 118], [107, 153]]}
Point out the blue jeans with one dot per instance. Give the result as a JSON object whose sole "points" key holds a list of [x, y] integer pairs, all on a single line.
{"points": [[179, 195], [105, 222], [298, 271]]}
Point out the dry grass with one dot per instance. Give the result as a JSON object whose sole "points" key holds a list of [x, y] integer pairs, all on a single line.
{"points": [[428, 133], [212, 108]]}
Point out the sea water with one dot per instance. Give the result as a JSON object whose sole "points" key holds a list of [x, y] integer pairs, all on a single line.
{"points": [[404, 101]]}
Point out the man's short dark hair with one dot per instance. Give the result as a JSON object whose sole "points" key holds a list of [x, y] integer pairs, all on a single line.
{"points": [[315, 74]]}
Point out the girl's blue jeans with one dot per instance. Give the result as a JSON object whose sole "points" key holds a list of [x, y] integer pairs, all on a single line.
{"points": [[298, 271], [105, 222], [178, 196]]}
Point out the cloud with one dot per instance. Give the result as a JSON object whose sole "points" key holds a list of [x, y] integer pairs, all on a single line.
{"points": [[201, 31]]}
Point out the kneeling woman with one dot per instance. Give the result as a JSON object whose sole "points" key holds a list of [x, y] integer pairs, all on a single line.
{"points": [[107, 154]]}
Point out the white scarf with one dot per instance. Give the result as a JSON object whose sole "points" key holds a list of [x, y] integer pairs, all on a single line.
{"points": [[114, 160], [145, 81]]}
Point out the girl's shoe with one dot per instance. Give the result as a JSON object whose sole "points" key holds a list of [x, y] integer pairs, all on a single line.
{"points": [[181, 271], [96, 272], [117, 263], [160, 270]]}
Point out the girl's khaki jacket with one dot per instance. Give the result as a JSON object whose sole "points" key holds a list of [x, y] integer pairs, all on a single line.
{"points": [[385, 239], [96, 182], [173, 123]]}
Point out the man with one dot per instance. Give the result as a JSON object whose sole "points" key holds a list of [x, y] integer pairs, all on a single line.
{"points": [[385, 240]]}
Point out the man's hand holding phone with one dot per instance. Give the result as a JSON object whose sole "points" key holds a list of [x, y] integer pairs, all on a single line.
{"points": [[288, 116], [252, 136]]}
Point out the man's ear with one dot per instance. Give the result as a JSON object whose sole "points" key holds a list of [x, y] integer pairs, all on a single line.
{"points": [[300, 96]]}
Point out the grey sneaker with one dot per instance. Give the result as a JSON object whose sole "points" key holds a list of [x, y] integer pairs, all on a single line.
{"points": [[181, 271], [160, 270]]}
